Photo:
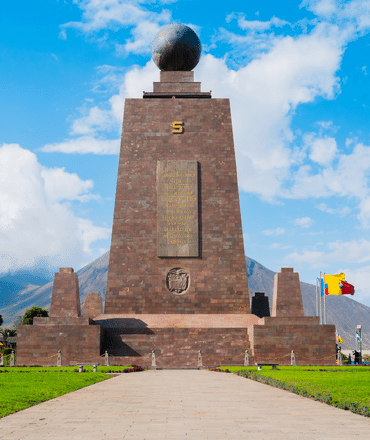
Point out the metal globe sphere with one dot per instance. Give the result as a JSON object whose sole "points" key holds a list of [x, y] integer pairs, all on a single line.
{"points": [[176, 47]]}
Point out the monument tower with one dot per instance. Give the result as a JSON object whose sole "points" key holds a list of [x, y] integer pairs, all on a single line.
{"points": [[177, 241]]}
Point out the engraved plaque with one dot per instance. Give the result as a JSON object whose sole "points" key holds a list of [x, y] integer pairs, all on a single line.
{"points": [[177, 208]]}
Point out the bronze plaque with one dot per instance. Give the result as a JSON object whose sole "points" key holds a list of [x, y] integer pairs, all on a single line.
{"points": [[177, 208]]}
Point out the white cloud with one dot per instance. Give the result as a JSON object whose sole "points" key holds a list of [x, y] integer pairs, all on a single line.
{"points": [[315, 259], [60, 185], [279, 246], [349, 178], [344, 252], [97, 120], [355, 13], [36, 217], [83, 145], [359, 278], [293, 72], [143, 35], [322, 149], [304, 222], [277, 231], [342, 211], [100, 15], [260, 26]]}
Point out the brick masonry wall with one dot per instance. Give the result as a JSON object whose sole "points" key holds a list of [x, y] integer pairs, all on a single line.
{"points": [[177, 347], [137, 276], [39, 345], [287, 296], [92, 305], [312, 344]]}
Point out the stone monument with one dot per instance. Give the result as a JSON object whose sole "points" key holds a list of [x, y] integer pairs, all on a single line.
{"points": [[177, 289]]}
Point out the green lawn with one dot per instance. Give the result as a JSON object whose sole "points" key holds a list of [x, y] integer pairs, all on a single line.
{"points": [[22, 387], [347, 387]]}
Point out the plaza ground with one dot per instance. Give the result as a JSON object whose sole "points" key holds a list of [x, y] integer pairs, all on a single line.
{"points": [[182, 405]]}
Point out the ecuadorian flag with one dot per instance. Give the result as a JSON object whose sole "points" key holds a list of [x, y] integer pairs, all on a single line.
{"points": [[332, 284]]}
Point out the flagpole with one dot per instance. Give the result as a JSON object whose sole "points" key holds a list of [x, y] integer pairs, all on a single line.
{"points": [[325, 320], [317, 300], [320, 302]]}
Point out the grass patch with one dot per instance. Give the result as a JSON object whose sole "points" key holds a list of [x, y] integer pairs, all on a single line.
{"points": [[344, 387], [22, 387]]}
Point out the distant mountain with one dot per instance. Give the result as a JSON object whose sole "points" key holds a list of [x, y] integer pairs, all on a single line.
{"points": [[92, 278], [344, 312], [15, 282]]}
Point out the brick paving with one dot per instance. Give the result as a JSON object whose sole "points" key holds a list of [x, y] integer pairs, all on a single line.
{"points": [[182, 405]]}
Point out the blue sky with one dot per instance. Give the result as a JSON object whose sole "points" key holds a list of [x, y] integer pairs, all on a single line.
{"points": [[297, 75]]}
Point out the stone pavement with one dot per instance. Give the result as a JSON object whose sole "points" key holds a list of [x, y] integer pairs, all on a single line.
{"points": [[182, 405]]}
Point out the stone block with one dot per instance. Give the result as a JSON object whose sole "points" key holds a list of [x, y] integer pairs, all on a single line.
{"points": [[65, 300], [287, 297]]}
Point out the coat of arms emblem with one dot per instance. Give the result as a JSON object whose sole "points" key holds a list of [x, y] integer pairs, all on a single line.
{"points": [[177, 280]]}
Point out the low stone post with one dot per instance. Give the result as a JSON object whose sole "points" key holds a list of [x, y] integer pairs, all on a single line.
{"points": [[95, 368], [59, 359], [1, 360], [80, 368], [106, 359], [292, 358], [153, 359], [12, 363], [200, 363], [246, 358], [340, 356]]}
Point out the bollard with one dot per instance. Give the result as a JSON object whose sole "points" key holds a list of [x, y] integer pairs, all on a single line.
{"points": [[246, 358], [95, 368], [80, 369], [59, 359], [292, 358], [200, 363], [153, 359], [106, 359], [1, 360], [12, 363]]}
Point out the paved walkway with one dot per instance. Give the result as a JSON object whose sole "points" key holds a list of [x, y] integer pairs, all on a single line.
{"points": [[182, 405]]}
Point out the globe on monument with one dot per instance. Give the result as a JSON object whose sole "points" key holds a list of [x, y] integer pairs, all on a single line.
{"points": [[176, 47]]}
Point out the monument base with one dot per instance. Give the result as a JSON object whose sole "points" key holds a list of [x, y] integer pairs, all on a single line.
{"points": [[78, 341], [175, 340]]}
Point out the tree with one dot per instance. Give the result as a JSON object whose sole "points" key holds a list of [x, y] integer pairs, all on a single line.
{"points": [[1, 321], [33, 313], [6, 333]]}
